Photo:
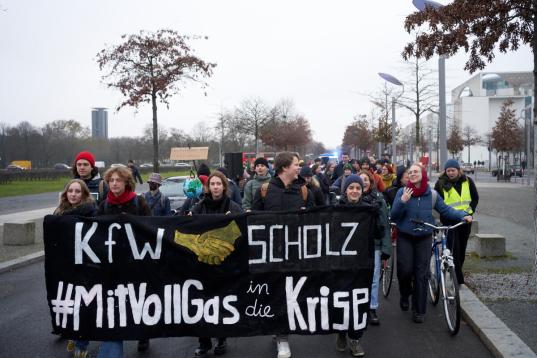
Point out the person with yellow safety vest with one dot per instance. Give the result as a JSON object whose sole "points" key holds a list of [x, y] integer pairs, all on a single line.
{"points": [[459, 192]]}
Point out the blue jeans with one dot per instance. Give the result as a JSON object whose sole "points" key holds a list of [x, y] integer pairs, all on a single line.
{"points": [[81, 345], [111, 349], [374, 303]]}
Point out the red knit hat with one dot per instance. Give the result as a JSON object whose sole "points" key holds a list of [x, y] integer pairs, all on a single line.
{"points": [[87, 156]]}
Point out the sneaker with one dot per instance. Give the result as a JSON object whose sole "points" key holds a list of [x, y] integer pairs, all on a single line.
{"points": [[220, 348], [284, 351], [143, 345], [373, 318], [404, 304], [418, 317], [80, 353], [356, 348], [341, 341], [70, 346]]}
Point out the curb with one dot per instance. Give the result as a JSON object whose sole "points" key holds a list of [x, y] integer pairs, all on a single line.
{"points": [[21, 261], [497, 337]]}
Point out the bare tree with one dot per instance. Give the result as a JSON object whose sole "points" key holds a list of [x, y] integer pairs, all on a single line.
{"points": [[251, 115], [469, 138], [421, 94]]}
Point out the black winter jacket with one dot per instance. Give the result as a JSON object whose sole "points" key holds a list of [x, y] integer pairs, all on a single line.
{"points": [[87, 209], [209, 206], [280, 198]]}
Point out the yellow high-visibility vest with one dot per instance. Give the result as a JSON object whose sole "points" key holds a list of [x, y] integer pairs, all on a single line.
{"points": [[459, 202]]}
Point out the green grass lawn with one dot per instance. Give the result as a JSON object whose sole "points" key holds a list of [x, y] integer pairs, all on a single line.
{"points": [[17, 188]]}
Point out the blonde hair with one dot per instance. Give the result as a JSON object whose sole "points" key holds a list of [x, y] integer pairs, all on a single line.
{"points": [[124, 173], [64, 202]]}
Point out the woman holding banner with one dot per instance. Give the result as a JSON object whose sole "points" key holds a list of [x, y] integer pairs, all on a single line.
{"points": [[353, 189], [121, 199], [76, 199], [216, 200]]}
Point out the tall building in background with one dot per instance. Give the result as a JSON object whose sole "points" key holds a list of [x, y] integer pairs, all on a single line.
{"points": [[99, 123]]}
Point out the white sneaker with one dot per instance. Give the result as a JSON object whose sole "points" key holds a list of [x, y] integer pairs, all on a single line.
{"points": [[284, 351], [356, 348]]}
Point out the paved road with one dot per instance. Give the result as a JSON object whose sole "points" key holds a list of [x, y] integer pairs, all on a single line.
{"points": [[25, 331], [15, 204]]}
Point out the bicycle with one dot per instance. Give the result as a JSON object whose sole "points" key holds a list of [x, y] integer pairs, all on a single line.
{"points": [[388, 266], [442, 278]]}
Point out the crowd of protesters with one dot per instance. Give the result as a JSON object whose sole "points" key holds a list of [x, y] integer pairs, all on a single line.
{"points": [[397, 194]]}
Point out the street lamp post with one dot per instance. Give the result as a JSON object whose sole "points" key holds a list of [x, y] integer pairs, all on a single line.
{"points": [[395, 81], [421, 5]]}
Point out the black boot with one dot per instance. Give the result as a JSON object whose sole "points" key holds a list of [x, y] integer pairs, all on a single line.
{"points": [[143, 345], [403, 303], [373, 318], [221, 347]]}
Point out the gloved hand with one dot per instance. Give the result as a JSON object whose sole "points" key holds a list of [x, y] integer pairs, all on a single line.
{"points": [[384, 256], [213, 246]]}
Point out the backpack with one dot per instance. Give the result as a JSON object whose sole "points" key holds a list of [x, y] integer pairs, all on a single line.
{"points": [[303, 190], [434, 198]]}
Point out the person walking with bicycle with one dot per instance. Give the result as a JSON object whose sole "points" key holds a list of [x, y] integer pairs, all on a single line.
{"points": [[459, 192], [416, 201]]}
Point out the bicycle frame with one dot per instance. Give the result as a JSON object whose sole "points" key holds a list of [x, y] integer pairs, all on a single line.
{"points": [[444, 269]]}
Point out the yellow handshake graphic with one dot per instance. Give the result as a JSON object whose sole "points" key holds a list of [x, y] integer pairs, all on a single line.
{"points": [[213, 246]]}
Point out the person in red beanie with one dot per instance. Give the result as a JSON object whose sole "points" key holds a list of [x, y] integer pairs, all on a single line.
{"points": [[84, 168]]}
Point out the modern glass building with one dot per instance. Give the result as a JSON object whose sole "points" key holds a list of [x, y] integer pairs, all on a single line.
{"points": [[99, 123]]}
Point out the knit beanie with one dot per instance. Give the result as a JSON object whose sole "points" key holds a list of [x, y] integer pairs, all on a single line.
{"points": [[353, 178], [86, 156], [347, 166], [261, 160], [203, 169], [223, 171], [452, 163], [306, 171]]}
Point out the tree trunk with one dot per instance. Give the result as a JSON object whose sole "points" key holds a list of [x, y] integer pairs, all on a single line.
{"points": [[155, 133]]}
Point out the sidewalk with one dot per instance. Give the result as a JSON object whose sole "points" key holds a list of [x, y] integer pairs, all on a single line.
{"points": [[17, 253], [502, 339]]}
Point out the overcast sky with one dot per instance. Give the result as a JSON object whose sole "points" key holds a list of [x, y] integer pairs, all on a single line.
{"points": [[320, 54]]}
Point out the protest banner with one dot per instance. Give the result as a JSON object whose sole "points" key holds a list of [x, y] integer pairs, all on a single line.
{"points": [[130, 277]]}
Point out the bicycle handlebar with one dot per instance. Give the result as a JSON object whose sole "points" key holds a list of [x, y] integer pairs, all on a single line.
{"points": [[421, 222]]}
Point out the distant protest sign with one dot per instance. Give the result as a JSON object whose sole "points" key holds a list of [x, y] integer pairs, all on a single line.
{"points": [[189, 153], [128, 277]]}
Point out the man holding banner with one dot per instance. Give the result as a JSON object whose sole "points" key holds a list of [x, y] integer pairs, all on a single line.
{"points": [[286, 191]]}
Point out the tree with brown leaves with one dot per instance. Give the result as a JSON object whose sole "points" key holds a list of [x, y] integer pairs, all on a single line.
{"points": [[454, 141], [505, 133], [151, 67]]}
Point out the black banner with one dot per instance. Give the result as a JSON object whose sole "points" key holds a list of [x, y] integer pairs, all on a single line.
{"points": [[130, 277]]}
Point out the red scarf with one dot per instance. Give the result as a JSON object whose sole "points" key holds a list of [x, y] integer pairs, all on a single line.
{"points": [[423, 187], [122, 199]]}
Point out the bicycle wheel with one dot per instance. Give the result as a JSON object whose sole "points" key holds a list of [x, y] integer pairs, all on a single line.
{"points": [[451, 300], [434, 287], [387, 277]]}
